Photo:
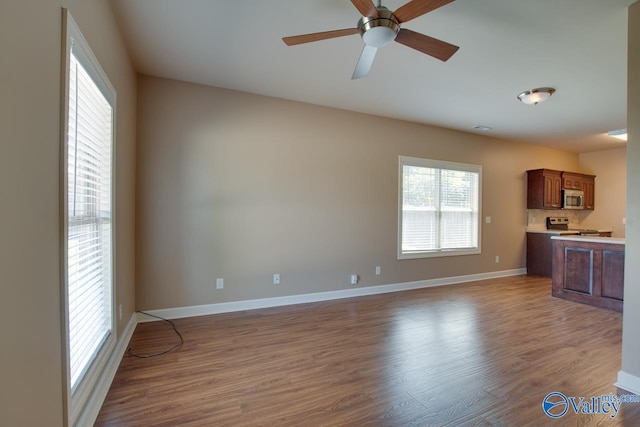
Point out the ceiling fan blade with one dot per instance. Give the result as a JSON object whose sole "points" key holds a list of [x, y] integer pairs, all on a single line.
{"points": [[314, 37], [366, 8], [365, 62], [416, 8], [425, 44]]}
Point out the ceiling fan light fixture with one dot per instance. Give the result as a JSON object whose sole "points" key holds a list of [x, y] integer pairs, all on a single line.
{"points": [[379, 31], [379, 36], [620, 134], [536, 96]]}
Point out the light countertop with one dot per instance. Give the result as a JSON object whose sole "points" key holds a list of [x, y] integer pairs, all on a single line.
{"points": [[552, 232], [565, 232], [591, 239]]}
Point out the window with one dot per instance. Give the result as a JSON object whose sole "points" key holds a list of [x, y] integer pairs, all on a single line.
{"points": [[439, 208], [88, 218]]}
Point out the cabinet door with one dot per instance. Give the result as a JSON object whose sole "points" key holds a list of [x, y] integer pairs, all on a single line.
{"points": [[578, 267], [539, 254], [571, 181], [544, 189], [567, 182], [588, 186], [557, 191], [552, 191], [612, 274]]}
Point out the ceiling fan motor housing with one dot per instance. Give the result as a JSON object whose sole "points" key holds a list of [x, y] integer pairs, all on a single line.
{"points": [[380, 31]]}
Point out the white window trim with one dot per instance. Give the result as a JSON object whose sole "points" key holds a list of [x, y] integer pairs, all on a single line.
{"points": [[439, 164], [76, 400]]}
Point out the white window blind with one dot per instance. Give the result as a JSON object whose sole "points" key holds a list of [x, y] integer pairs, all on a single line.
{"points": [[438, 208], [89, 218]]}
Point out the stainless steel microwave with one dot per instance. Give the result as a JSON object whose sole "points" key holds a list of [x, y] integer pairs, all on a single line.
{"points": [[572, 199]]}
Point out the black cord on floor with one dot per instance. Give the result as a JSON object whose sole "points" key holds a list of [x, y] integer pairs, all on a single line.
{"points": [[146, 356]]}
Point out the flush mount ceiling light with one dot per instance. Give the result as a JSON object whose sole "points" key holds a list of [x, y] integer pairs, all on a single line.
{"points": [[620, 134], [535, 96], [482, 128]]}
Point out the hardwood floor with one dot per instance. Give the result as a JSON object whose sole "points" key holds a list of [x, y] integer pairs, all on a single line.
{"points": [[484, 354]]}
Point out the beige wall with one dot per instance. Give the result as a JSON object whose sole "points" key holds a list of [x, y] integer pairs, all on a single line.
{"points": [[610, 168], [630, 329], [30, 41], [242, 186]]}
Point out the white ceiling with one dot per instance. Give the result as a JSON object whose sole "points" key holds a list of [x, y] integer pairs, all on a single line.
{"points": [[578, 47]]}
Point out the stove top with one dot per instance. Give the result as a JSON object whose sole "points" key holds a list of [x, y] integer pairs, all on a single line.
{"points": [[585, 231], [562, 224]]}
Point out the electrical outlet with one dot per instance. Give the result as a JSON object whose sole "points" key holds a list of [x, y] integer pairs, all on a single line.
{"points": [[497, 259], [120, 311], [488, 220], [220, 283], [377, 270], [354, 279], [276, 279], [624, 221]]}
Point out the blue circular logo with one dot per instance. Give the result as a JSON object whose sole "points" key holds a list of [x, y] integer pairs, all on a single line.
{"points": [[555, 404]]}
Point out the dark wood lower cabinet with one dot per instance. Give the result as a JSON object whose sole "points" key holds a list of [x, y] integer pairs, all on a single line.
{"points": [[539, 253], [613, 274], [589, 273]]}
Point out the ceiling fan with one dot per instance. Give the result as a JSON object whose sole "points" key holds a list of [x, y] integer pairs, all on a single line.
{"points": [[379, 26]]}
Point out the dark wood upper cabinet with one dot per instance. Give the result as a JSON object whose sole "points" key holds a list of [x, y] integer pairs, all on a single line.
{"points": [[571, 181], [589, 188], [579, 181], [544, 188]]}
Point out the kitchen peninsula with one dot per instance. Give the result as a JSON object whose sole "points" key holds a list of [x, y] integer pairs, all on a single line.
{"points": [[589, 270], [539, 243]]}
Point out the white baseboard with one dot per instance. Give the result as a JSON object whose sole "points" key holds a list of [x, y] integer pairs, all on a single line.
{"points": [[92, 408], [228, 307], [628, 382]]}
